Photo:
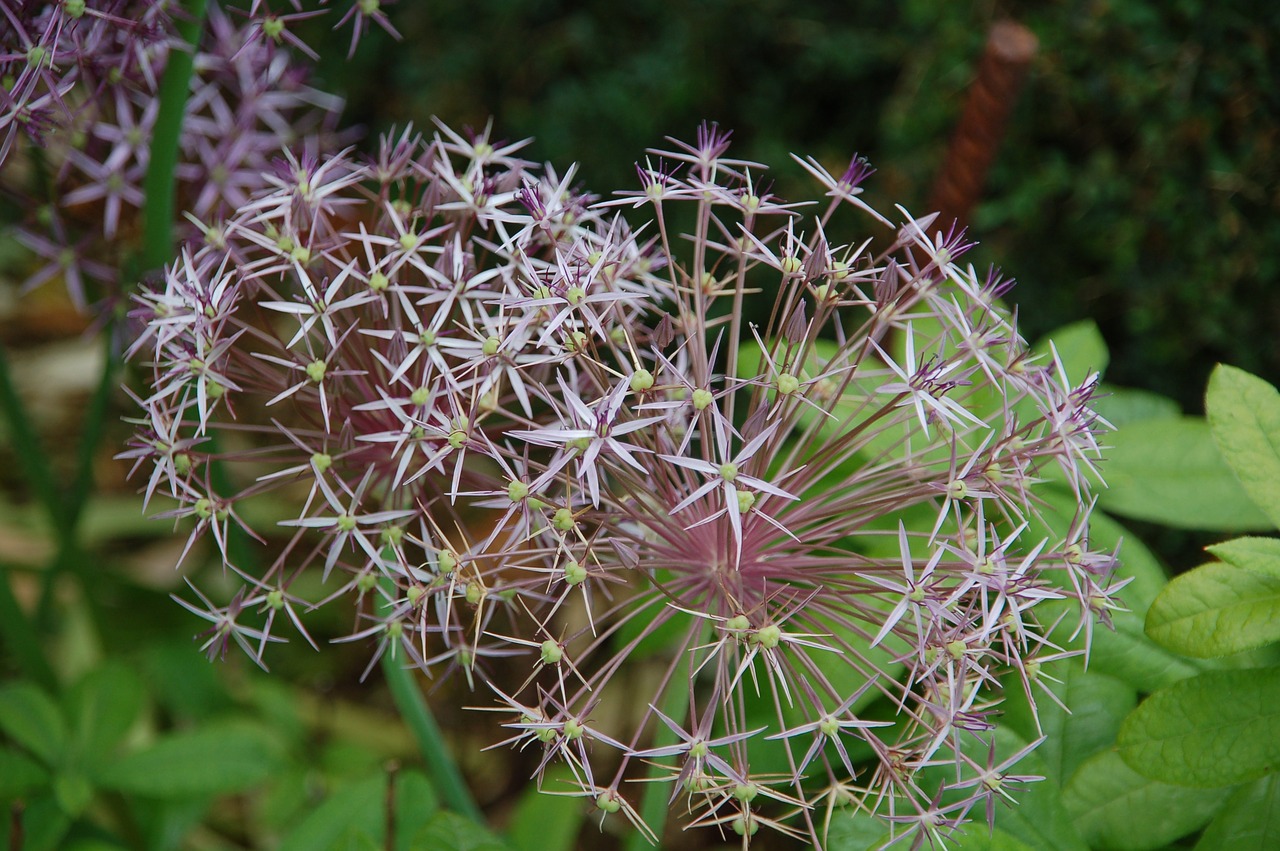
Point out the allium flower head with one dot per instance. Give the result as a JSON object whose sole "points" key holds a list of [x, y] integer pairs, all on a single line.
{"points": [[754, 504]]}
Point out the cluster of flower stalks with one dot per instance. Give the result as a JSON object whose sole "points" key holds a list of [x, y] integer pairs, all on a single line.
{"points": [[78, 111], [679, 466]]}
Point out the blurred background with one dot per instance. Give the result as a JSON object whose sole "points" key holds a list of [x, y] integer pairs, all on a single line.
{"points": [[1137, 184]]}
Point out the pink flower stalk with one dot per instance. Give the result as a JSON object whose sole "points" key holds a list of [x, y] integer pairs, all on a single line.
{"points": [[807, 545]]}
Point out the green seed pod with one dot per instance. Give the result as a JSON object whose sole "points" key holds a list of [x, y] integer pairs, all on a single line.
{"points": [[574, 573], [641, 380], [563, 520], [551, 652]]}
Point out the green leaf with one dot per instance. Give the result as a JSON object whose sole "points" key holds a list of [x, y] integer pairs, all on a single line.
{"points": [[1038, 819], [1256, 555], [547, 822], [356, 807], [73, 791], [416, 803], [102, 707], [1249, 819], [1098, 707], [1169, 471], [288, 795], [19, 773], [1125, 653], [456, 833], [215, 759], [1115, 807], [978, 838], [184, 682], [1216, 610], [45, 824], [852, 830], [1080, 347], [1137, 563], [1217, 729], [647, 640], [1121, 406], [1244, 416], [163, 825], [33, 720]]}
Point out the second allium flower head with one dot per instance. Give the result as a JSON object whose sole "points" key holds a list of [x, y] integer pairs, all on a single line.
{"points": [[515, 424]]}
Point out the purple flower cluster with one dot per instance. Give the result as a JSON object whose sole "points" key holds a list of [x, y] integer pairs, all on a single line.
{"points": [[715, 479], [78, 106]]}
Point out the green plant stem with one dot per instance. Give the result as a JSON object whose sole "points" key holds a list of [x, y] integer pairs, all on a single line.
{"points": [[159, 184], [159, 210], [30, 454], [417, 715], [95, 417], [20, 637], [62, 511], [654, 803], [68, 556]]}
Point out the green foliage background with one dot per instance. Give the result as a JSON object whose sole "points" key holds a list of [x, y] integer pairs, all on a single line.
{"points": [[1138, 185]]}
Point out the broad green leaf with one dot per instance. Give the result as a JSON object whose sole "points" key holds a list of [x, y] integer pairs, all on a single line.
{"points": [[844, 678], [1038, 819], [33, 720], [286, 797], [1098, 707], [102, 707], [851, 830], [1169, 471], [846, 411], [1256, 555], [45, 825], [1216, 610], [859, 831], [1137, 563], [1115, 807], [547, 822], [19, 773], [978, 838], [356, 807], [1121, 406], [1249, 819], [416, 803], [1080, 347], [214, 759], [169, 823], [452, 831], [772, 756], [647, 640], [184, 682], [277, 703], [1244, 416], [344, 759], [1217, 729], [73, 791], [1125, 652]]}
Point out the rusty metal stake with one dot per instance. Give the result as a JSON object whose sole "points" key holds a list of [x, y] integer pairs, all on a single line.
{"points": [[1001, 72]]}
